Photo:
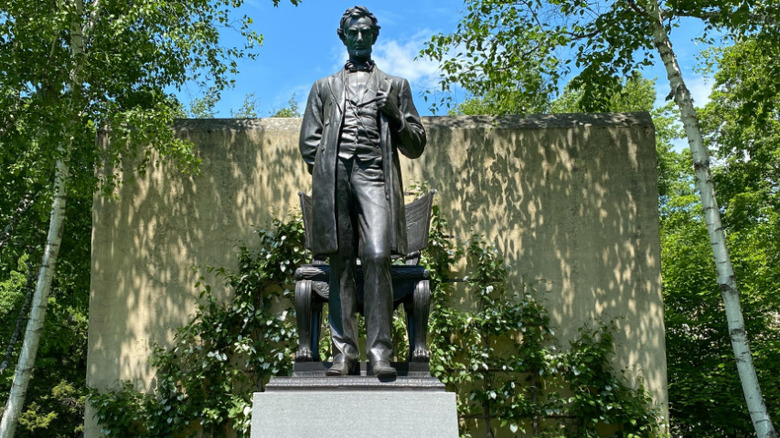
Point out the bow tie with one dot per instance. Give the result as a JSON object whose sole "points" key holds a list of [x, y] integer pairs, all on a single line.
{"points": [[352, 67]]}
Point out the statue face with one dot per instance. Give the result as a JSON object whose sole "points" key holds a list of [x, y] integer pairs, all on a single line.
{"points": [[359, 37]]}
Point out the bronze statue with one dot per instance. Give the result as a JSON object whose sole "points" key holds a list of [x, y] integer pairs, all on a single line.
{"points": [[355, 123]]}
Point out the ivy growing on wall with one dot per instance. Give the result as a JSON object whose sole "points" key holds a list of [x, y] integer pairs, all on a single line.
{"points": [[229, 350], [496, 350], [498, 353]]}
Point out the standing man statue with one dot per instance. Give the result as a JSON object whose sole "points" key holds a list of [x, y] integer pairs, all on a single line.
{"points": [[355, 123]]}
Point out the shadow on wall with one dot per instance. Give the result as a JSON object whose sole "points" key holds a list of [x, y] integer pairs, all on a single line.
{"points": [[570, 200], [164, 223]]}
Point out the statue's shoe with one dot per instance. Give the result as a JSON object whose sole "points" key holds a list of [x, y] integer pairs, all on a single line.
{"points": [[383, 369], [341, 368]]}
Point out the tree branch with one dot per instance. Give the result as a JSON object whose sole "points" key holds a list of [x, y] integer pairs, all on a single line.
{"points": [[638, 9], [532, 10], [580, 36], [712, 15]]}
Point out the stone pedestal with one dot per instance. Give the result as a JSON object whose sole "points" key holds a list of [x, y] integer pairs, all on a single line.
{"points": [[312, 405]]}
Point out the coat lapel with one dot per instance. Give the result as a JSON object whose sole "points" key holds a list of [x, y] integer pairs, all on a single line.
{"points": [[373, 82], [336, 86]]}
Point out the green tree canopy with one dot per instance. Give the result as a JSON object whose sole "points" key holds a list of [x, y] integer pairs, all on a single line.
{"points": [[68, 68], [701, 374], [507, 48]]}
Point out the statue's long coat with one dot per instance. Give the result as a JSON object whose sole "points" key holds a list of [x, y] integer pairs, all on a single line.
{"points": [[320, 132]]}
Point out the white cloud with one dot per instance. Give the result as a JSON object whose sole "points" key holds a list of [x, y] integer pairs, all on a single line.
{"points": [[700, 89], [397, 57]]}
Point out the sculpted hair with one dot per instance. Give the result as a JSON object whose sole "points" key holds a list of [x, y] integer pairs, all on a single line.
{"points": [[357, 12]]}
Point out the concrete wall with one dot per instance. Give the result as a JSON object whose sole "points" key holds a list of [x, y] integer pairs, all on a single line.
{"points": [[571, 201]]}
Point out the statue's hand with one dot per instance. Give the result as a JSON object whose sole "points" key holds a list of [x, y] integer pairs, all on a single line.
{"points": [[388, 103]]}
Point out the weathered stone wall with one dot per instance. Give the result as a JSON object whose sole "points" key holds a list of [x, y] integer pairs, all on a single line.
{"points": [[570, 200]]}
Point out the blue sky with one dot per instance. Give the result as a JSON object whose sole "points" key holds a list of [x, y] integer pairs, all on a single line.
{"points": [[301, 45]]}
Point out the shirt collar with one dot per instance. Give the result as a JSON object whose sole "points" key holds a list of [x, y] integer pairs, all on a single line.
{"points": [[352, 67]]}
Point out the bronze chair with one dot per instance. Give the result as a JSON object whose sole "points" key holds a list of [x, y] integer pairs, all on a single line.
{"points": [[411, 286]]}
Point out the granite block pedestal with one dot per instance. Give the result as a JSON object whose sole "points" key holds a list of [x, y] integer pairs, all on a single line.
{"points": [[309, 404]]}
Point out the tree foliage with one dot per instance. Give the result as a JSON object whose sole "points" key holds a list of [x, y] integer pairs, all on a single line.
{"points": [[601, 44], [56, 393], [248, 108], [291, 110], [67, 68], [515, 55], [701, 373]]}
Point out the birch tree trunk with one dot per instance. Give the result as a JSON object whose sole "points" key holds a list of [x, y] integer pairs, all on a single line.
{"points": [[32, 334], [726, 279]]}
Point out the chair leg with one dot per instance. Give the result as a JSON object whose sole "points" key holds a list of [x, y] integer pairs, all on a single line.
{"points": [[418, 322], [316, 325], [304, 316], [410, 328]]}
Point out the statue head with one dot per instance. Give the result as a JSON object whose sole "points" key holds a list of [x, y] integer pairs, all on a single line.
{"points": [[358, 30]]}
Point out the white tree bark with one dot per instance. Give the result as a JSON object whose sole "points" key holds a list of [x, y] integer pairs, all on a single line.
{"points": [[726, 279], [32, 334]]}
